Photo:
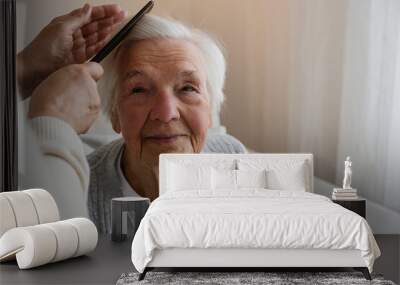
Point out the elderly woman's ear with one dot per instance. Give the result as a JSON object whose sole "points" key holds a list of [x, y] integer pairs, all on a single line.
{"points": [[115, 121]]}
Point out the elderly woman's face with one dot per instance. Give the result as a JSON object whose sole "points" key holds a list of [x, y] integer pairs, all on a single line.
{"points": [[162, 104]]}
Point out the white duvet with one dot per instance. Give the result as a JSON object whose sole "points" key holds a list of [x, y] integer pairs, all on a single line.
{"points": [[251, 218]]}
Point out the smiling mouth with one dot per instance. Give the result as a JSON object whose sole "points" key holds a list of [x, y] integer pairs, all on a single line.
{"points": [[163, 139]]}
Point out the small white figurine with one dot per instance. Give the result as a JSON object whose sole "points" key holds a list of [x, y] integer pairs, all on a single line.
{"points": [[347, 174]]}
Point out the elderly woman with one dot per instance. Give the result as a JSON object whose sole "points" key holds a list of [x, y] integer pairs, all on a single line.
{"points": [[159, 90]]}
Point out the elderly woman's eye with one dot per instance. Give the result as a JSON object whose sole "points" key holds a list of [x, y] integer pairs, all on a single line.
{"points": [[189, 88], [138, 90]]}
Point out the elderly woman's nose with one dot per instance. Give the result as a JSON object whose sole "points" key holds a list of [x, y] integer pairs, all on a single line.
{"points": [[165, 108]]}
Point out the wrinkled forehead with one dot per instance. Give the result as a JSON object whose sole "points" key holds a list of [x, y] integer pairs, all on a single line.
{"points": [[160, 57]]}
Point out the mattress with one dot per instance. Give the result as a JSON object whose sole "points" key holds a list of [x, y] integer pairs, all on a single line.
{"points": [[250, 219]]}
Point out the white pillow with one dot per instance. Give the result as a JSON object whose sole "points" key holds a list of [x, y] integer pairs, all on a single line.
{"points": [[235, 179], [251, 178], [181, 177], [288, 178], [224, 179]]}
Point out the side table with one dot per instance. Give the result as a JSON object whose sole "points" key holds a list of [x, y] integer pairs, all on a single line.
{"points": [[358, 205], [120, 208]]}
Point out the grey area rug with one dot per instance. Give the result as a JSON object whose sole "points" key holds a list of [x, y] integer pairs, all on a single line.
{"points": [[273, 278]]}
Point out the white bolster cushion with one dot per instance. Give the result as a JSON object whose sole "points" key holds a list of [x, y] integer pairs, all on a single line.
{"points": [[46, 207], [87, 234], [32, 246], [26, 208], [7, 218], [23, 208], [40, 244], [67, 239]]}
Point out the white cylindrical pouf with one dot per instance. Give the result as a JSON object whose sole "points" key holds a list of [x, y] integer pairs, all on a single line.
{"points": [[40, 244], [45, 205], [23, 208], [7, 218], [34, 246], [67, 239], [87, 233]]}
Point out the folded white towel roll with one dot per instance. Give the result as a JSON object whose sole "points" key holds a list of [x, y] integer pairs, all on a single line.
{"points": [[23, 208], [7, 218], [40, 244], [45, 205]]}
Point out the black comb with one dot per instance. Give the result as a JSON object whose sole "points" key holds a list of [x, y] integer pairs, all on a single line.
{"points": [[113, 43]]}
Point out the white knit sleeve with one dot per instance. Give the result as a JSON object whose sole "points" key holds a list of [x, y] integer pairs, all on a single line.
{"points": [[63, 167]]}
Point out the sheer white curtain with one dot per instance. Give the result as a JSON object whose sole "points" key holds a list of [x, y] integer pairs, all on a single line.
{"points": [[370, 108], [344, 91], [321, 76]]}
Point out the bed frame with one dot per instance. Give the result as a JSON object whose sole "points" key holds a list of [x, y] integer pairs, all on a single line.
{"points": [[250, 259], [235, 259]]}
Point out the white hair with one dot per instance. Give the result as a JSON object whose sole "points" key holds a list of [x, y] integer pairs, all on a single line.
{"points": [[153, 27]]}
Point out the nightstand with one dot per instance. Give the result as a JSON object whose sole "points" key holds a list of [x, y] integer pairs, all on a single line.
{"points": [[357, 205], [120, 209]]}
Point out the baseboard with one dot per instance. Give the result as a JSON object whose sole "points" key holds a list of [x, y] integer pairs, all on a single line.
{"points": [[376, 213]]}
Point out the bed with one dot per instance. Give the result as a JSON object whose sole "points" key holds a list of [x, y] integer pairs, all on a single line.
{"points": [[245, 211]]}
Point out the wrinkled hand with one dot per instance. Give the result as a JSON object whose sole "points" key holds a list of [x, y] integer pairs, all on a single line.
{"points": [[68, 39], [69, 94]]}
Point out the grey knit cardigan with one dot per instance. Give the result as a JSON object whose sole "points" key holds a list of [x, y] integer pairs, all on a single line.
{"points": [[105, 182]]}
